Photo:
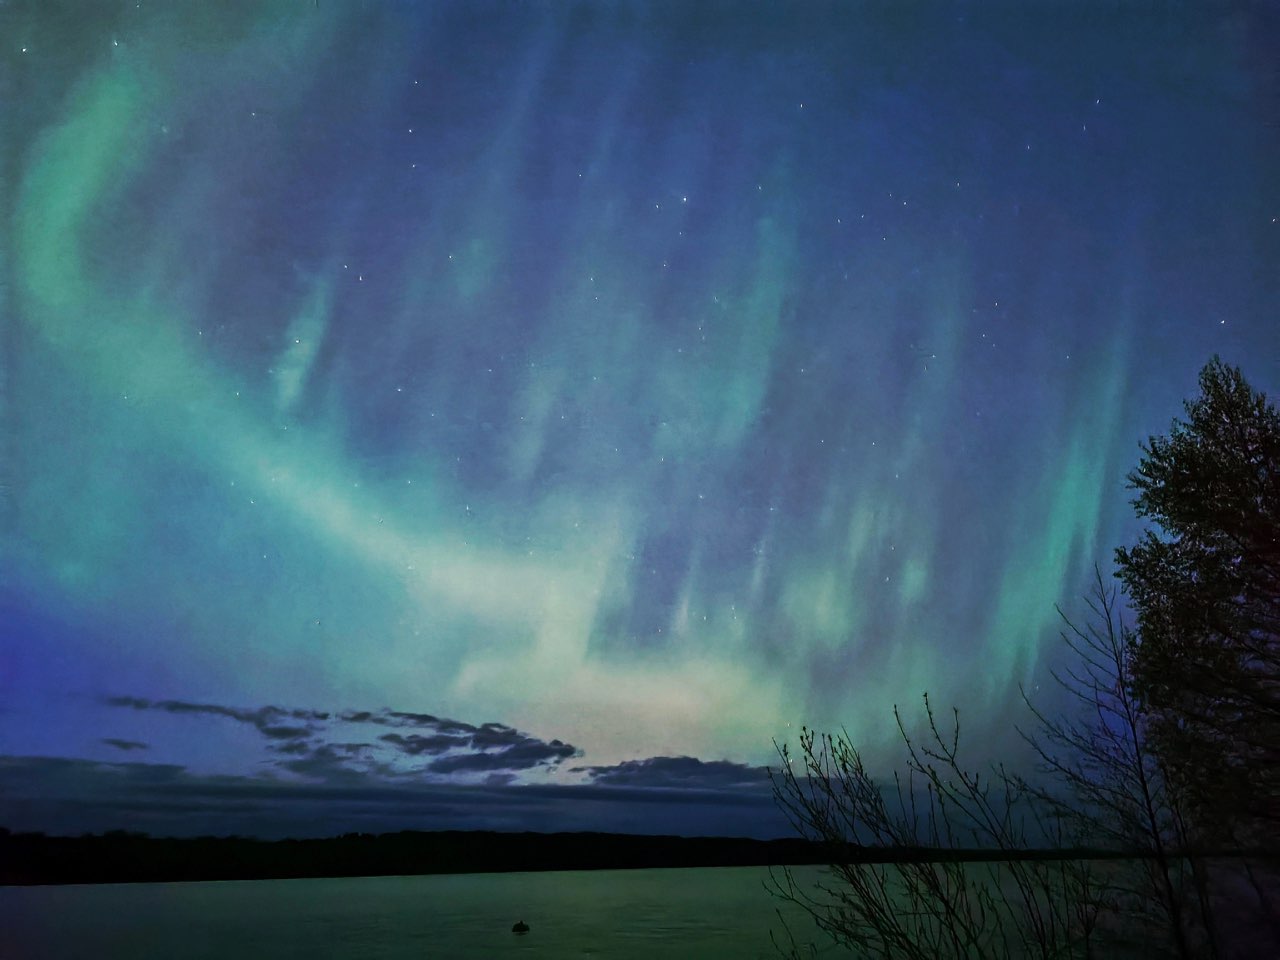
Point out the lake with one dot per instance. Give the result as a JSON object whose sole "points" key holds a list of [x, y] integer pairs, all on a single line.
{"points": [[704, 913]]}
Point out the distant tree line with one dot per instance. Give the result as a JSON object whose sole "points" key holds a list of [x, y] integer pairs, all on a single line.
{"points": [[125, 856], [120, 856], [1170, 758]]}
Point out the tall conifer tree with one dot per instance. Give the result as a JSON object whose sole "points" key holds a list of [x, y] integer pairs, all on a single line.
{"points": [[1205, 585]]}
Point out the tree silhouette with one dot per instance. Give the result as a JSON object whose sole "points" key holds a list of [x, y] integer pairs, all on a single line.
{"points": [[1169, 761], [1205, 587]]}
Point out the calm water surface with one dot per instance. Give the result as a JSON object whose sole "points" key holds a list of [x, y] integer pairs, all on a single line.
{"points": [[626, 914]]}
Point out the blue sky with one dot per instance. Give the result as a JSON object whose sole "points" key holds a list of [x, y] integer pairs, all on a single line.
{"points": [[619, 386]]}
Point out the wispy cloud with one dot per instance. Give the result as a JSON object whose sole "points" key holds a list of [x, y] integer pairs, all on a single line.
{"points": [[307, 741], [124, 744], [680, 772], [415, 744], [266, 719], [521, 753], [333, 762], [489, 747]]}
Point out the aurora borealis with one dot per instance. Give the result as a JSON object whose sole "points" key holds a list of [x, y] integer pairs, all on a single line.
{"points": [[549, 397]]}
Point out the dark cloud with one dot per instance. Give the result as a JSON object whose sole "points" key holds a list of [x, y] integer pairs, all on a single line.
{"points": [[415, 744], [124, 744], [494, 735], [488, 748], [404, 718], [60, 795], [285, 733], [452, 746], [265, 719], [679, 772], [520, 753], [414, 719], [331, 763]]}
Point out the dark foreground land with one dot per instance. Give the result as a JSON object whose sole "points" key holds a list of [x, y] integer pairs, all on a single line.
{"points": [[122, 857]]}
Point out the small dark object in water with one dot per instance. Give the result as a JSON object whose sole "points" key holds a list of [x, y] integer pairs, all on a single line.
{"points": [[520, 927]]}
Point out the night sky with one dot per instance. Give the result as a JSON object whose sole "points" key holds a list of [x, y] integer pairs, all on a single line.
{"points": [[519, 415]]}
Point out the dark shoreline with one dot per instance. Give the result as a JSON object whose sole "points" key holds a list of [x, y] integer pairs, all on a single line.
{"points": [[120, 857], [28, 859]]}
